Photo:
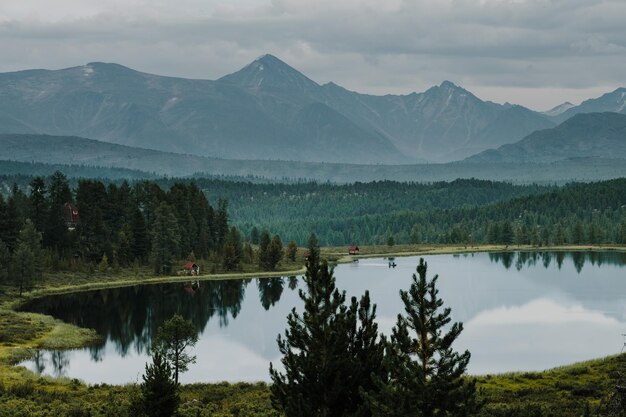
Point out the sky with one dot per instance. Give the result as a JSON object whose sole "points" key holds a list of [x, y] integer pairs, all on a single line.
{"points": [[537, 53]]}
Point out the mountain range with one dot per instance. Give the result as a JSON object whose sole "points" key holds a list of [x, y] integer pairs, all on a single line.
{"points": [[268, 111], [600, 135], [42, 154]]}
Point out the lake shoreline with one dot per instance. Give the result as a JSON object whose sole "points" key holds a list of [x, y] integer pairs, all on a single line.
{"points": [[330, 253], [76, 337]]}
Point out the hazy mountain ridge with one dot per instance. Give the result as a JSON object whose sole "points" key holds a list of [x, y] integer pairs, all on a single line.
{"points": [[267, 110], [614, 101], [584, 135], [85, 152]]}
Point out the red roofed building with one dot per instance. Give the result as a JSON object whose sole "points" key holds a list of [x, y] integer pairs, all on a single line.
{"points": [[353, 250], [191, 268]]}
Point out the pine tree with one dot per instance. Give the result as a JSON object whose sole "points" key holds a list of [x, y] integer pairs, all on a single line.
{"points": [[159, 390], [264, 243], [292, 250], [426, 373], [328, 358], [92, 203], [415, 234], [254, 236], [27, 259], [173, 339], [578, 233], [232, 251], [559, 234], [274, 253], [221, 222], [9, 223], [165, 239], [5, 262], [140, 243], [56, 233], [506, 233], [38, 203]]}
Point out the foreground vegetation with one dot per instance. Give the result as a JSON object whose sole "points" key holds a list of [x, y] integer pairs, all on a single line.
{"points": [[565, 391]]}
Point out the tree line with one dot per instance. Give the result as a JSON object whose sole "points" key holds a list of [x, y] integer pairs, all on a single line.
{"points": [[577, 213], [99, 225]]}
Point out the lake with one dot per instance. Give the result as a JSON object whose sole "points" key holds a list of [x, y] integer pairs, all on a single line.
{"points": [[521, 311]]}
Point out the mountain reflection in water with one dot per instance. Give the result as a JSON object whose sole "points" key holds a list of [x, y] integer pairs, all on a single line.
{"points": [[516, 317]]}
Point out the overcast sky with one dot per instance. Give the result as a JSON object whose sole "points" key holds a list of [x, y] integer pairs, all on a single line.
{"points": [[537, 53]]}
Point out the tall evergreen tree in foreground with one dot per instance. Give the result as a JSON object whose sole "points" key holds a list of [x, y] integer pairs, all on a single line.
{"points": [[328, 357], [159, 390], [426, 374]]}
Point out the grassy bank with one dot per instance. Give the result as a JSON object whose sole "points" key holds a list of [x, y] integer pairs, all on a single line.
{"points": [[339, 253], [559, 392]]}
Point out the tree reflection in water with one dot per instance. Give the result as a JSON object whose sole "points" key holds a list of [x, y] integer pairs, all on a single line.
{"points": [[528, 259], [270, 290], [130, 316], [60, 362]]}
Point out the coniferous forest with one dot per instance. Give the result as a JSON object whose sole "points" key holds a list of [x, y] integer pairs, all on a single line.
{"points": [[461, 211]]}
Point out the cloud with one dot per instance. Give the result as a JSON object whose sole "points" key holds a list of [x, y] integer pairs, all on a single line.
{"points": [[396, 46], [541, 311]]}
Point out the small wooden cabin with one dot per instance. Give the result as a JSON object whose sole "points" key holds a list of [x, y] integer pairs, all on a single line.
{"points": [[353, 250], [191, 268]]}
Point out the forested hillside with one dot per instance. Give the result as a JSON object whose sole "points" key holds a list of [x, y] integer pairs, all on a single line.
{"points": [[460, 211], [579, 213]]}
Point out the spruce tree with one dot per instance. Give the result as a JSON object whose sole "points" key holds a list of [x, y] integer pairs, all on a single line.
{"points": [[559, 234], [38, 203], [27, 259], [328, 357], [578, 233], [173, 339], [274, 253], [56, 233], [140, 243], [159, 390], [232, 250], [426, 374], [254, 236], [9, 223], [165, 239], [5, 262], [264, 244], [292, 250]]}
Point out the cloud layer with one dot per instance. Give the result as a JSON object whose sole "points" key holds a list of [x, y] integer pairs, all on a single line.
{"points": [[534, 52]]}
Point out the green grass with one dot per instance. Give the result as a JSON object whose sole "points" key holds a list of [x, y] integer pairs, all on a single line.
{"points": [[562, 391]]}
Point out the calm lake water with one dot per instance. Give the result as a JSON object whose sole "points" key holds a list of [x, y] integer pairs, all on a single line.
{"points": [[521, 311]]}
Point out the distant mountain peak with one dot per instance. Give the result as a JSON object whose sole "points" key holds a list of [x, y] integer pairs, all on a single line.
{"points": [[269, 58], [448, 84], [561, 108], [269, 72]]}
